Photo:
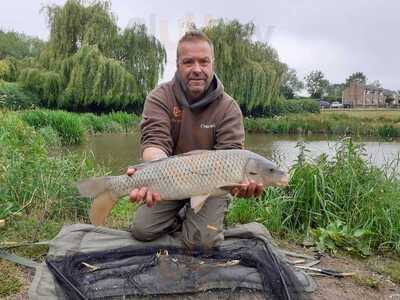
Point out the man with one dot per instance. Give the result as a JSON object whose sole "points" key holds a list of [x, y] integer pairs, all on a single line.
{"points": [[191, 112]]}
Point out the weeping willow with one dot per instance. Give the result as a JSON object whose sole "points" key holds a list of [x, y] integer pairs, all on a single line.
{"points": [[92, 78], [251, 71], [91, 64], [46, 84], [142, 55]]}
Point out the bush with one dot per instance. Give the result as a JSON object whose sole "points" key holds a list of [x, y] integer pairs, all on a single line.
{"points": [[14, 97], [47, 84], [67, 125]]}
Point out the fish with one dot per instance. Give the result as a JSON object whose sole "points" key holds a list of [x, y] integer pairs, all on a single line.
{"points": [[196, 175]]}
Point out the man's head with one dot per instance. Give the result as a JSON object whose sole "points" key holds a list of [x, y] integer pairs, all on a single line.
{"points": [[195, 63]]}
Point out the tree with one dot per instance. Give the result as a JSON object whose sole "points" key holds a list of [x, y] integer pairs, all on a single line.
{"points": [[290, 84], [358, 77], [251, 71], [316, 84], [18, 45], [91, 64], [334, 91], [76, 24]]}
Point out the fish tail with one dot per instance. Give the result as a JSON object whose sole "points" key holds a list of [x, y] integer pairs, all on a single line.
{"points": [[92, 187]]}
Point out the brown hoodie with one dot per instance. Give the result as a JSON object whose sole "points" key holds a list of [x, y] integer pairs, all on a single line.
{"points": [[173, 125]]}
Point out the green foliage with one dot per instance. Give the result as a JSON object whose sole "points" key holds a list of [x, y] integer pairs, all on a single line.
{"points": [[338, 235], [13, 96], [46, 84], [329, 123], [72, 127], [316, 84], [334, 92], [76, 24], [290, 83], [345, 202], [67, 125], [142, 55], [92, 79], [33, 180], [89, 65], [50, 136], [358, 77], [251, 71], [18, 45]]}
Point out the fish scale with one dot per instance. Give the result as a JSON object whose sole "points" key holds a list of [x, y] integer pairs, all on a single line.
{"points": [[196, 175], [181, 177]]}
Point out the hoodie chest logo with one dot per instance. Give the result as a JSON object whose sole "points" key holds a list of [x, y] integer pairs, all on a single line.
{"points": [[207, 126], [177, 113]]}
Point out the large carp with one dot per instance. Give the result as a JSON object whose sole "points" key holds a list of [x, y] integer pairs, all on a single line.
{"points": [[195, 175]]}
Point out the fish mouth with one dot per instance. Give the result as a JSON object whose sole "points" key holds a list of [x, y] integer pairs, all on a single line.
{"points": [[283, 182]]}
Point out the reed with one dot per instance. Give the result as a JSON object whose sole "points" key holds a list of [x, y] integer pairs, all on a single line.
{"points": [[336, 201]]}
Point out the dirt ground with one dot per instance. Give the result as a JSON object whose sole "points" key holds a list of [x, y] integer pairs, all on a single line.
{"points": [[369, 282]]}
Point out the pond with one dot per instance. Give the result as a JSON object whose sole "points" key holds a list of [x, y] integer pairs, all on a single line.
{"points": [[117, 151]]}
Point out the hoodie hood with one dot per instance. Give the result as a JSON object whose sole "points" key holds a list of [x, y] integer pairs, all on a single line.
{"points": [[213, 93]]}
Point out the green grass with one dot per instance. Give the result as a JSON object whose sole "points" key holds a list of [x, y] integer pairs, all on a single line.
{"points": [[343, 203], [384, 124], [72, 127], [31, 179], [10, 279]]}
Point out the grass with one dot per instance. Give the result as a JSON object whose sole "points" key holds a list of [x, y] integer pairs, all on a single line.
{"points": [[33, 180], [342, 203], [388, 266], [10, 279], [72, 127], [384, 124]]}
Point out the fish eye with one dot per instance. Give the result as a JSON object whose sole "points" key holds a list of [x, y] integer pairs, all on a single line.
{"points": [[253, 173], [271, 170]]}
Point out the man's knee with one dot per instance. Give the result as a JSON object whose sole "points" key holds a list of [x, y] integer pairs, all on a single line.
{"points": [[143, 232], [197, 239]]}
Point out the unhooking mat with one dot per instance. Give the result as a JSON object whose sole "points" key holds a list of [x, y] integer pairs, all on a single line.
{"points": [[91, 262]]}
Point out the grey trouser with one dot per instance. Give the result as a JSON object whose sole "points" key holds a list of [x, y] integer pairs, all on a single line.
{"points": [[203, 229]]}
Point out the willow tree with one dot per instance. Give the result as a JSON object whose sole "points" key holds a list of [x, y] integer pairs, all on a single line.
{"points": [[98, 65], [92, 79], [251, 71], [142, 55], [76, 24]]}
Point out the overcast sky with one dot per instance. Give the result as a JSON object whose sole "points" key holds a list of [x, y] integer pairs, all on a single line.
{"points": [[338, 37]]}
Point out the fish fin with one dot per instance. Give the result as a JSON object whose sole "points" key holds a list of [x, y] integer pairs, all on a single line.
{"points": [[197, 202], [92, 187], [230, 186], [101, 207]]}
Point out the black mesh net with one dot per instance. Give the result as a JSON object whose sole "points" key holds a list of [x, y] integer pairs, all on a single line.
{"points": [[141, 271]]}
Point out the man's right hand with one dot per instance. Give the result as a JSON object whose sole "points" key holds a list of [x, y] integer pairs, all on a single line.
{"points": [[142, 195]]}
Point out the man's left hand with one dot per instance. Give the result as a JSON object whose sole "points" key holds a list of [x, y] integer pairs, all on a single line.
{"points": [[248, 189]]}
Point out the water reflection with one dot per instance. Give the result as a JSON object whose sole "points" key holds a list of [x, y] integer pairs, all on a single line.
{"points": [[117, 151]]}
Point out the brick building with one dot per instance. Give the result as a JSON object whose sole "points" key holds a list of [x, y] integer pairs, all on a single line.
{"points": [[358, 94]]}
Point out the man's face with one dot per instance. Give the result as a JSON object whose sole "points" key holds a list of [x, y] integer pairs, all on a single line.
{"points": [[195, 67]]}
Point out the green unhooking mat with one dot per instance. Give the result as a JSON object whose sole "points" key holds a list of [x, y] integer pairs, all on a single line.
{"points": [[88, 262]]}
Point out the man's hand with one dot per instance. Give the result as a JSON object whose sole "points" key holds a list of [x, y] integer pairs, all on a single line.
{"points": [[143, 195], [248, 189]]}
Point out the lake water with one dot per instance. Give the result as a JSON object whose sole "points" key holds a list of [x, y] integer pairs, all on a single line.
{"points": [[117, 151]]}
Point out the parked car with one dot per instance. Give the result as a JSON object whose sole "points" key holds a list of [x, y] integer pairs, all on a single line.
{"points": [[324, 104], [336, 105]]}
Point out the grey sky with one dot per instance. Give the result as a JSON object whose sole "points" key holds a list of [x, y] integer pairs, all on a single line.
{"points": [[338, 37]]}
